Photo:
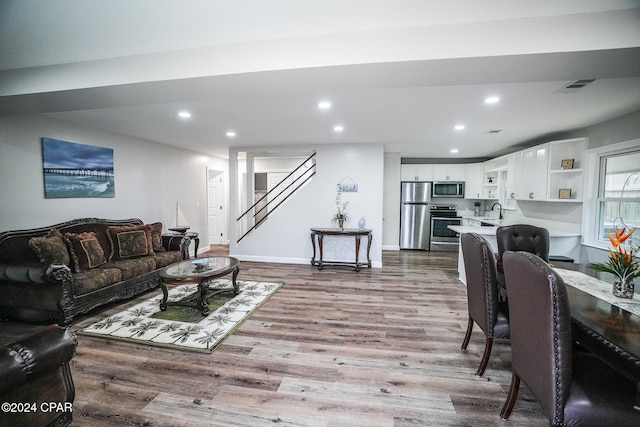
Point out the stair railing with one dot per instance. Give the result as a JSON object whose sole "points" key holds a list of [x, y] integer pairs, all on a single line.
{"points": [[280, 197]]}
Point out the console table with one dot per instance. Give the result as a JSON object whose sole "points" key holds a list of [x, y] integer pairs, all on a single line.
{"points": [[317, 234]]}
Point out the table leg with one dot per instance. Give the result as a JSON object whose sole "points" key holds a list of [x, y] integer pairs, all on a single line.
{"points": [[320, 237], [165, 296], [368, 249], [202, 304], [313, 245], [236, 288], [357, 252], [196, 242]]}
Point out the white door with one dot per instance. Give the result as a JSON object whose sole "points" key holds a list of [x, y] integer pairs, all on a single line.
{"points": [[216, 208]]}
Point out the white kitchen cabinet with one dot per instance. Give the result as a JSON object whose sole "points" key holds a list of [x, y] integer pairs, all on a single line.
{"points": [[416, 172], [533, 167], [449, 172], [473, 179], [511, 179]]}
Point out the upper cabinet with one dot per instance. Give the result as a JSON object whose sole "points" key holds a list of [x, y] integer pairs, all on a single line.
{"points": [[532, 166], [449, 172], [416, 172], [473, 179], [551, 171]]}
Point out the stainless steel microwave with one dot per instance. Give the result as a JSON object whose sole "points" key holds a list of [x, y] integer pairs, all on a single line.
{"points": [[448, 189]]}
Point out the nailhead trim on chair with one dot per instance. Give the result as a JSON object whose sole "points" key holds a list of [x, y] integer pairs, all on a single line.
{"points": [[25, 356]]}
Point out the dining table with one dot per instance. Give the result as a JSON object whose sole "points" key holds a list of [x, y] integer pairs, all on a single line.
{"points": [[606, 325]]}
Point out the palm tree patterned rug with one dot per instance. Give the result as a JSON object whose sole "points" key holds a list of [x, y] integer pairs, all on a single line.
{"points": [[185, 327]]}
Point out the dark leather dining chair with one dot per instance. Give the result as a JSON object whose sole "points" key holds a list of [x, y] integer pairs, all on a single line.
{"points": [[574, 388], [521, 237], [482, 294]]}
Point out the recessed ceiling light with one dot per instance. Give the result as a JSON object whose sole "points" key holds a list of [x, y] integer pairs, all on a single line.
{"points": [[338, 128], [454, 150], [184, 114], [459, 127], [324, 105], [231, 134], [491, 100]]}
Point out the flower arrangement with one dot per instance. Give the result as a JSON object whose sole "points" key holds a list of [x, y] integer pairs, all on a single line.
{"points": [[341, 215], [622, 264]]}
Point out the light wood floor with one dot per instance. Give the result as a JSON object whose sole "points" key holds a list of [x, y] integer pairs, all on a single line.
{"points": [[332, 348]]}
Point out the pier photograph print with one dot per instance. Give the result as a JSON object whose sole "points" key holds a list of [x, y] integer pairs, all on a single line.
{"points": [[76, 170]]}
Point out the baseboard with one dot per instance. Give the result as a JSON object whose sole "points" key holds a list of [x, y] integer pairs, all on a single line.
{"points": [[278, 260], [390, 247]]}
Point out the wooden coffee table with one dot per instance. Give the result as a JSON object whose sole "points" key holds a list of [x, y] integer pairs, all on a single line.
{"points": [[200, 271]]}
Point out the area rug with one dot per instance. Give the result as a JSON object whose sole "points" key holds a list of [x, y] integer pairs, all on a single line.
{"points": [[185, 327]]}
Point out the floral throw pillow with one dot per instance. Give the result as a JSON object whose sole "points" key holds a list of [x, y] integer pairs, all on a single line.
{"points": [[156, 236], [86, 252], [51, 249], [130, 241]]}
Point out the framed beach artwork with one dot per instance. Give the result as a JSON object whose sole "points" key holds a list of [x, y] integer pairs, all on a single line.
{"points": [[76, 170]]}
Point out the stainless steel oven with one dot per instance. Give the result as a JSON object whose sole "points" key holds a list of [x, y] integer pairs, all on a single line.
{"points": [[442, 238]]}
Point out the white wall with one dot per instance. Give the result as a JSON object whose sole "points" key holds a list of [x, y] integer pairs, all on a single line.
{"points": [[149, 178], [391, 209], [285, 236]]}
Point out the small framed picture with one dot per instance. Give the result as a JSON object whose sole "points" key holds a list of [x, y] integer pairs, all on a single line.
{"points": [[566, 164], [564, 193]]}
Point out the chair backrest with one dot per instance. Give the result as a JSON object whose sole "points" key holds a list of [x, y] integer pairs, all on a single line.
{"points": [[482, 286], [523, 237], [540, 321]]}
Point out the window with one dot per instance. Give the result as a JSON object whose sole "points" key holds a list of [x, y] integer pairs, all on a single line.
{"points": [[618, 201]]}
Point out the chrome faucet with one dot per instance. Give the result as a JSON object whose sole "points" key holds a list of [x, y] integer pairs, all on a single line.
{"points": [[494, 205]]}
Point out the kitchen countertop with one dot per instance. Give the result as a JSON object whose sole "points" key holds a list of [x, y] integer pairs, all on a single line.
{"points": [[491, 231]]}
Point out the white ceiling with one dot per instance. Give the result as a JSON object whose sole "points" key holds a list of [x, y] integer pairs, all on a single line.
{"points": [[398, 72]]}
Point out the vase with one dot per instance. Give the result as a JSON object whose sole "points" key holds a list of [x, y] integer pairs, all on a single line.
{"points": [[623, 289], [341, 224], [361, 223]]}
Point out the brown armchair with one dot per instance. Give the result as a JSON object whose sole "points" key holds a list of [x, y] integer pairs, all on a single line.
{"points": [[521, 237], [482, 294], [573, 388], [36, 384]]}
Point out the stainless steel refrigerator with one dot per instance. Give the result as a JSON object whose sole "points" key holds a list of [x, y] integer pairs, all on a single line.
{"points": [[414, 215]]}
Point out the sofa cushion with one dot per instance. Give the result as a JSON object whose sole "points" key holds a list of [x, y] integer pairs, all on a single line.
{"points": [[51, 249], [94, 279], [134, 267], [156, 236], [85, 251], [130, 241], [165, 258]]}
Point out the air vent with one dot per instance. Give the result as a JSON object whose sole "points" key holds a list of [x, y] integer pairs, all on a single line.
{"points": [[575, 86]]}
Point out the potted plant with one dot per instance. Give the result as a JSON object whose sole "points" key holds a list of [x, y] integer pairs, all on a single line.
{"points": [[490, 179], [341, 216], [623, 264]]}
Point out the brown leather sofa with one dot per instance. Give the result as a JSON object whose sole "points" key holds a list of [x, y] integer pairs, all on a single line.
{"points": [[37, 387], [57, 272]]}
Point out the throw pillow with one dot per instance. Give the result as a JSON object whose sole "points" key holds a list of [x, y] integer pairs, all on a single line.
{"points": [[129, 241], [85, 250], [156, 236], [51, 249]]}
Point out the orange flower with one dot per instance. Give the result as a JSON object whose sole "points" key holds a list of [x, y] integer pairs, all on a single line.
{"points": [[624, 237], [621, 263]]}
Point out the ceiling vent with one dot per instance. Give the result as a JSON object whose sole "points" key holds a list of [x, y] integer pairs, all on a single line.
{"points": [[575, 86]]}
